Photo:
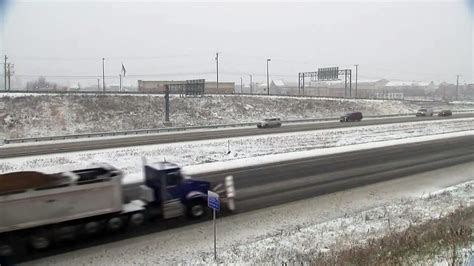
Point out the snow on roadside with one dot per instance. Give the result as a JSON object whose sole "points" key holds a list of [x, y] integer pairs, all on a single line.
{"points": [[246, 150], [35, 115], [301, 243], [45, 115], [294, 231]]}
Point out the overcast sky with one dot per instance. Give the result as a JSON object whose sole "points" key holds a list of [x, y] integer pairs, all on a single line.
{"points": [[398, 40]]}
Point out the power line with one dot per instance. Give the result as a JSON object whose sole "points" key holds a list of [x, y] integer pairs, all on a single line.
{"points": [[156, 57], [151, 75]]}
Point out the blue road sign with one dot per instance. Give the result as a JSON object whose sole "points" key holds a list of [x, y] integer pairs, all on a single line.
{"points": [[213, 200]]}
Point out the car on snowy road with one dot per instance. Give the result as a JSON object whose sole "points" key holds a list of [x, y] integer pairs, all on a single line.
{"points": [[445, 113], [269, 123], [351, 117], [425, 112]]}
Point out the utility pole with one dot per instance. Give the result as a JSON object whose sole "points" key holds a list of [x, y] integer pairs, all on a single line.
{"points": [[457, 87], [103, 74], [5, 72], [357, 71], [217, 72], [241, 86], [98, 84], [444, 93], [268, 80], [9, 69], [251, 85]]}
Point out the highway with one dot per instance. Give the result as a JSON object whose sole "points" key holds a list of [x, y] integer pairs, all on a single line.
{"points": [[18, 150], [266, 185], [272, 184]]}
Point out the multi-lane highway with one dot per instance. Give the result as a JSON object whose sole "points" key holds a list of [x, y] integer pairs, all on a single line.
{"points": [[277, 183], [272, 184], [17, 150], [265, 185]]}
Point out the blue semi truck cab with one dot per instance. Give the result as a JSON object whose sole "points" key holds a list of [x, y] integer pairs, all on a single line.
{"points": [[170, 194]]}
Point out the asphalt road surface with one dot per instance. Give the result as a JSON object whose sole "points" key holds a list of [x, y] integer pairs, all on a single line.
{"points": [[272, 184], [18, 150], [266, 185]]}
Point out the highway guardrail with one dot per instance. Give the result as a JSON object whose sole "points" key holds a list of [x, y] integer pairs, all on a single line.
{"points": [[180, 129]]}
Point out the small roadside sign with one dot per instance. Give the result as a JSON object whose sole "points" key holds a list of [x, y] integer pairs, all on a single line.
{"points": [[213, 200], [214, 203]]}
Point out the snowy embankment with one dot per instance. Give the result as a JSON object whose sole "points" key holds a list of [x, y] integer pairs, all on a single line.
{"points": [[201, 156], [55, 114], [296, 232]]}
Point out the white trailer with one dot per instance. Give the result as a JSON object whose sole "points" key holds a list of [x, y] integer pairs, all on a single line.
{"points": [[42, 209], [78, 195]]}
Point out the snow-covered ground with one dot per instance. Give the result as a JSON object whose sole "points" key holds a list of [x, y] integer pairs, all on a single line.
{"points": [[200, 156], [37, 115], [294, 232]]}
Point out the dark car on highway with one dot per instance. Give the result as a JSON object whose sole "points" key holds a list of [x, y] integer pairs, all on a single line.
{"points": [[269, 122], [445, 113], [351, 117]]}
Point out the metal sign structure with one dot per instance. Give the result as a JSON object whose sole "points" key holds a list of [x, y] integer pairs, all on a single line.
{"points": [[214, 202], [329, 73], [194, 87], [390, 96]]}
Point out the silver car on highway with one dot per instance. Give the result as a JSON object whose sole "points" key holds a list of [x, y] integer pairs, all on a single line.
{"points": [[269, 123], [426, 111]]}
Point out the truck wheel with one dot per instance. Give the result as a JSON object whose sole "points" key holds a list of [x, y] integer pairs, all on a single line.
{"points": [[65, 233], [137, 219], [39, 242], [196, 209], [92, 228], [115, 223], [5, 250]]}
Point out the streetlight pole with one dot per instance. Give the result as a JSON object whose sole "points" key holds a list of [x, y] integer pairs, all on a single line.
{"points": [[357, 71], [251, 85], [5, 72], [457, 87], [268, 80], [10, 66], [103, 74], [241, 86], [217, 72]]}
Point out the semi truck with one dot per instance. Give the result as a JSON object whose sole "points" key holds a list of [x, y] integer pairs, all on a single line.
{"points": [[38, 210]]}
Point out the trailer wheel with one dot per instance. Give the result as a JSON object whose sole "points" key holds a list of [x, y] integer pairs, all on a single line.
{"points": [[39, 242], [92, 228], [137, 219], [65, 233], [196, 208], [115, 223], [5, 250]]}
